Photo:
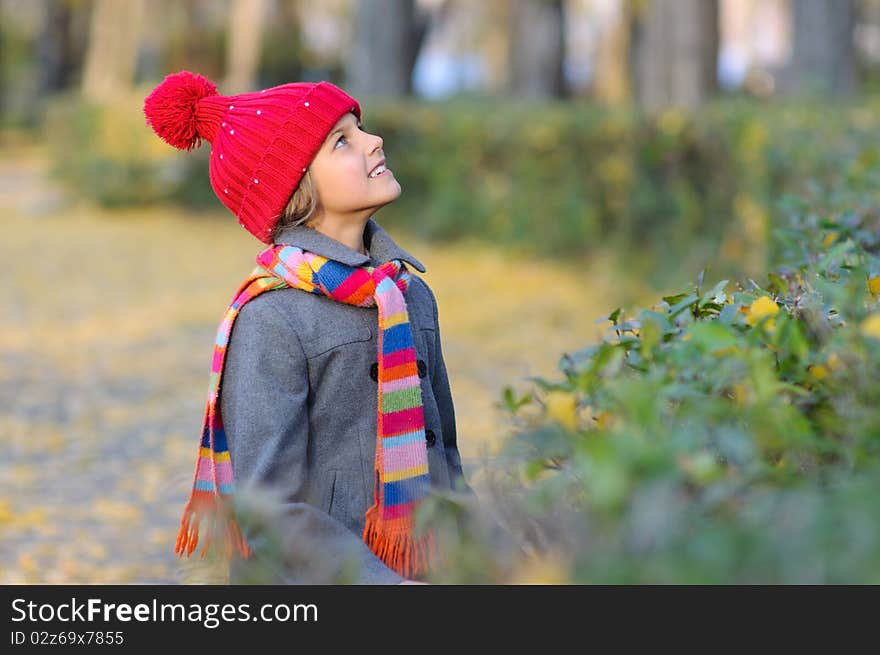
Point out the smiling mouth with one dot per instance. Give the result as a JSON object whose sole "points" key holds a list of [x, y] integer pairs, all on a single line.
{"points": [[379, 171]]}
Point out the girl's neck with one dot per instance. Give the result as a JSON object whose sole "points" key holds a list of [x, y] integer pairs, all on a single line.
{"points": [[348, 231]]}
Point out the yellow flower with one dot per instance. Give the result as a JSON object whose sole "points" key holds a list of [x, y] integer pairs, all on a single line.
{"points": [[544, 569], [762, 308], [742, 395], [603, 419], [871, 326], [833, 361], [818, 371], [874, 286], [562, 408], [830, 238]]}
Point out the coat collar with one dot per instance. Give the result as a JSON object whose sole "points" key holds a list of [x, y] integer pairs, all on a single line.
{"points": [[380, 244]]}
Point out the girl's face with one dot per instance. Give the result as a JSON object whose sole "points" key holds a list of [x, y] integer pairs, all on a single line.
{"points": [[341, 173]]}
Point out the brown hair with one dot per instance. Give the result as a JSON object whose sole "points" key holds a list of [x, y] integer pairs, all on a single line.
{"points": [[301, 206]]}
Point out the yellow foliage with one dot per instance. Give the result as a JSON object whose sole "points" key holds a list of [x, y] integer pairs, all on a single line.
{"points": [[5, 512], [742, 394], [671, 122], [752, 217], [871, 326], [818, 371], [874, 286], [544, 569], [762, 308], [604, 419], [614, 170], [754, 139], [830, 238], [116, 510], [562, 408]]}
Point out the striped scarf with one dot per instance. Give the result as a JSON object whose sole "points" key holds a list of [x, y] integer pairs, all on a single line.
{"points": [[401, 462]]}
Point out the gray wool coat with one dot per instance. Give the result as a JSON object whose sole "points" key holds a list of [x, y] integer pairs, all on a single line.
{"points": [[298, 398]]}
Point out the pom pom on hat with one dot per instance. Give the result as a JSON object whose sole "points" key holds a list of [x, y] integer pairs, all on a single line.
{"points": [[171, 108]]}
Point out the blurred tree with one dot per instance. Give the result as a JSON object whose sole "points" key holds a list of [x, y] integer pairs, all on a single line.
{"points": [[61, 44], [867, 42], [536, 49], [388, 35], [112, 50], [674, 52], [611, 81], [823, 55], [246, 19], [188, 34], [284, 55]]}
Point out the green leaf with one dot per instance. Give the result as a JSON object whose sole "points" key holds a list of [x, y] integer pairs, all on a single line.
{"points": [[541, 382], [677, 308], [715, 293], [729, 313], [777, 284], [675, 298], [791, 338], [711, 335]]}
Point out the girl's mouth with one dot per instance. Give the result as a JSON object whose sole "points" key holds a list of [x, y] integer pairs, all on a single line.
{"points": [[379, 171]]}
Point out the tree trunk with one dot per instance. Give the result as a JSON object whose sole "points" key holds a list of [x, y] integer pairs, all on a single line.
{"points": [[674, 53], [55, 48], [823, 57], [113, 48], [536, 51], [611, 82], [388, 35], [246, 20]]}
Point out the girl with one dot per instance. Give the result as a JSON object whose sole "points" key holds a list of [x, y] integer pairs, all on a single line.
{"points": [[327, 364]]}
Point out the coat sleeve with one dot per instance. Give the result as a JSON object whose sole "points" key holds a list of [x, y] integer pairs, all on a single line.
{"points": [[443, 395], [263, 396]]}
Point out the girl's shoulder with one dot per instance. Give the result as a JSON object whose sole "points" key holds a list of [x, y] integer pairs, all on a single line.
{"points": [[420, 295]]}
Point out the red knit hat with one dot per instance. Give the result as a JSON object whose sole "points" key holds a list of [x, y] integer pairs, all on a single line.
{"points": [[261, 142]]}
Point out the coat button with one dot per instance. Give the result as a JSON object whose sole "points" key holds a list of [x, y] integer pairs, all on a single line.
{"points": [[423, 368], [430, 438], [374, 371]]}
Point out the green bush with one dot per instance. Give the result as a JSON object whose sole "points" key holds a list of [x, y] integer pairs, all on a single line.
{"points": [[728, 434], [560, 178], [109, 155]]}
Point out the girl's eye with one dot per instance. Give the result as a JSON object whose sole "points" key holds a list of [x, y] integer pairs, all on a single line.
{"points": [[360, 126]]}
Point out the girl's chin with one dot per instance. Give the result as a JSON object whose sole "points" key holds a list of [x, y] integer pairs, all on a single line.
{"points": [[387, 199], [393, 188]]}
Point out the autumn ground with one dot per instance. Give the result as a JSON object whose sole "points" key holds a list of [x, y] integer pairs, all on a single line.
{"points": [[105, 346]]}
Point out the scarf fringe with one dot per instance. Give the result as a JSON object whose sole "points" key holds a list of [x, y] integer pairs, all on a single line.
{"points": [[397, 547], [221, 522]]}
